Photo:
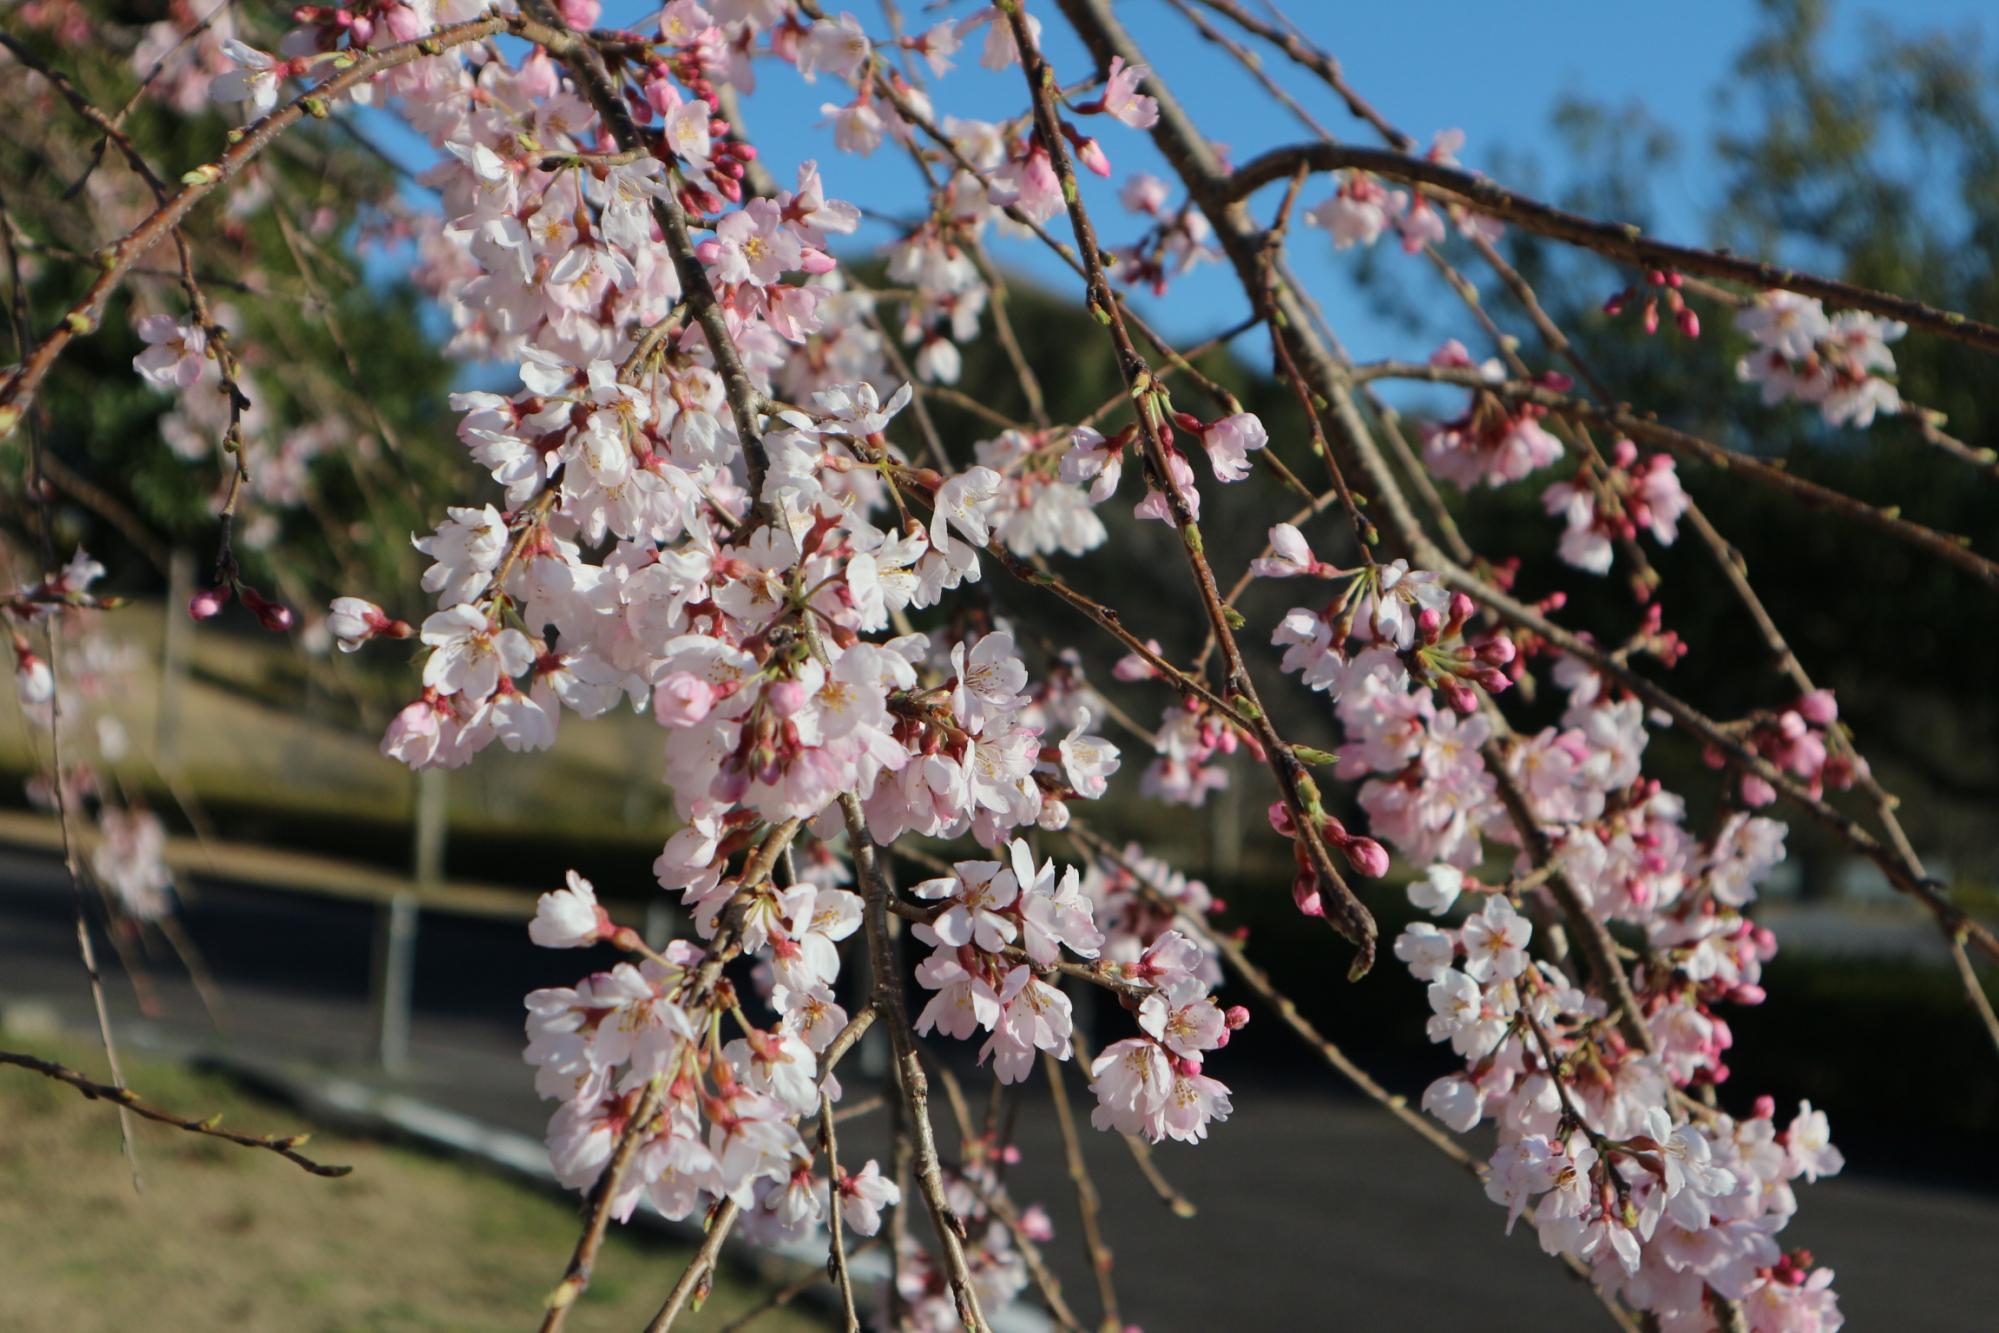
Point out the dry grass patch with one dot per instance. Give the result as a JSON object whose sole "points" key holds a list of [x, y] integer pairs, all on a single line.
{"points": [[229, 1238]]}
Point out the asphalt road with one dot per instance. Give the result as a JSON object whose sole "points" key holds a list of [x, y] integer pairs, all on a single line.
{"points": [[1316, 1211]]}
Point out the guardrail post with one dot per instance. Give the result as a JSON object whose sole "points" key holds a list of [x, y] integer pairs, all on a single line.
{"points": [[396, 925], [173, 660]]}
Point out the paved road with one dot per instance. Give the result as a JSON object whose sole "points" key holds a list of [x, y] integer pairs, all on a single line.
{"points": [[1316, 1211]]}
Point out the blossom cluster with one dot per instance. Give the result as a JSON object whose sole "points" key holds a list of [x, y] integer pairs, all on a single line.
{"points": [[1633, 494], [1801, 741], [1153, 1084], [977, 1194], [128, 862], [717, 1120], [1494, 442], [1362, 209], [1389, 622], [1839, 363], [1617, 1142], [996, 923]]}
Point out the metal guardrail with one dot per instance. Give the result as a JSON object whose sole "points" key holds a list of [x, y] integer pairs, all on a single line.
{"points": [[399, 899], [291, 871]]}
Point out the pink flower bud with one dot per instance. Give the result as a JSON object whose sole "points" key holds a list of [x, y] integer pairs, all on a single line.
{"points": [[1280, 819], [1305, 893], [403, 23], [1757, 792], [682, 699], [1237, 1017], [1689, 322], [208, 603], [1461, 700], [1764, 1107], [787, 698], [1367, 857], [273, 616], [1819, 708]]}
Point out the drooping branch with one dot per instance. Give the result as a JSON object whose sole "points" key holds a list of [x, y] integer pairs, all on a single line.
{"points": [[1237, 960], [724, 948], [286, 1146], [118, 259], [1944, 546], [1951, 918], [1201, 171], [585, 60], [1288, 39], [1614, 240], [1344, 910], [911, 1081]]}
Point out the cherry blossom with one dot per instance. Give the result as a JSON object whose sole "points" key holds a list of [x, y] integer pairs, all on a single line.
{"points": [[569, 918], [175, 355]]}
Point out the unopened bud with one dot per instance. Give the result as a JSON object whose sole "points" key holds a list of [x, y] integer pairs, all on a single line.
{"points": [[208, 603], [273, 616], [1305, 893], [787, 697], [1367, 857]]}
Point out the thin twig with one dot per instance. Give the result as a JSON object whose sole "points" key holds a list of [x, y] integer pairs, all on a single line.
{"points": [[700, 1269], [837, 1255], [1615, 240], [1088, 1205], [1344, 911], [285, 1146], [910, 1079]]}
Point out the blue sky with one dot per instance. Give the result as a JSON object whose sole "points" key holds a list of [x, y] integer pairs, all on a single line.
{"points": [[1497, 71]]}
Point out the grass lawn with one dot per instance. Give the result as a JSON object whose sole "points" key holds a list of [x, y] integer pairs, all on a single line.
{"points": [[239, 1239]]}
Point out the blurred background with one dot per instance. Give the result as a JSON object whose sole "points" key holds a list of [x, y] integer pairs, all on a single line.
{"points": [[339, 935]]}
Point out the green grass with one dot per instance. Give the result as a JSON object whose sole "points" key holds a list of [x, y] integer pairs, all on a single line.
{"points": [[232, 1238]]}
